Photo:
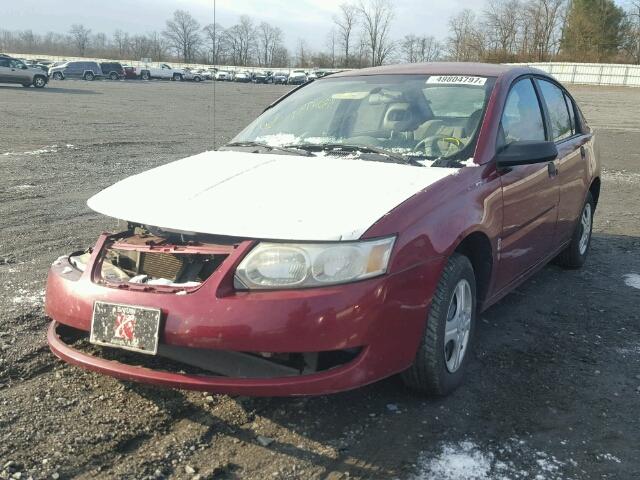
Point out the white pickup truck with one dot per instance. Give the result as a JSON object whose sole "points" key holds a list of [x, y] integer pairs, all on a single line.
{"points": [[164, 71]]}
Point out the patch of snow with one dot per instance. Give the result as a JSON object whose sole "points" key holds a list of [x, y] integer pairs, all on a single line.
{"points": [[28, 298], [461, 461], [41, 151], [466, 460], [278, 139], [632, 280], [609, 457], [469, 162]]}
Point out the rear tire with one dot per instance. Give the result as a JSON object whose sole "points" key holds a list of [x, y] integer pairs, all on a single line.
{"points": [[447, 340], [145, 76], [58, 76], [576, 252], [89, 77]]}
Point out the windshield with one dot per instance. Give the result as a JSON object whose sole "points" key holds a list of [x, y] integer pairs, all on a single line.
{"points": [[419, 116]]}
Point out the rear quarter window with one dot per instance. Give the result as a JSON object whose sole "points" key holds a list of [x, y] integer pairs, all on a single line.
{"points": [[554, 98]]}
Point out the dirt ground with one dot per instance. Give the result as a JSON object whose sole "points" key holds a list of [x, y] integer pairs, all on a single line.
{"points": [[553, 391]]}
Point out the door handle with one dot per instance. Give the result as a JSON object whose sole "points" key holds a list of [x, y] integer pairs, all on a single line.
{"points": [[583, 152], [552, 169]]}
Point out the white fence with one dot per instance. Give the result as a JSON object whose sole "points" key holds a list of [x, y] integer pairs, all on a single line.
{"points": [[592, 73]]}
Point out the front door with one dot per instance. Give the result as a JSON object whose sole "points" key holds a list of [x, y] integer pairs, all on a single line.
{"points": [[530, 193]]}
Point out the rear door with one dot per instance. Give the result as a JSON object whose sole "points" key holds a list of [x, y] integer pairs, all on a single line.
{"points": [[4, 70], [73, 70], [572, 163], [530, 192]]}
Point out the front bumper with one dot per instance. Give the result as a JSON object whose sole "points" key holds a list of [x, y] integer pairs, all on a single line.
{"points": [[384, 317]]}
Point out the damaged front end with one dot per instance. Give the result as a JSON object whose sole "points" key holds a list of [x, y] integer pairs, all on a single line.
{"points": [[150, 268], [150, 258]]}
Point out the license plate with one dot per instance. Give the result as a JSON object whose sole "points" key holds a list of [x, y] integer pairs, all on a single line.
{"points": [[125, 326]]}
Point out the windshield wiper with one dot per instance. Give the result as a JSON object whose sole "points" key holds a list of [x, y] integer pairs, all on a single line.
{"points": [[270, 148], [323, 147]]}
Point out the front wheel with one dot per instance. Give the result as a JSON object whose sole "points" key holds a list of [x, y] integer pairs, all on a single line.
{"points": [[177, 77], [113, 76], [39, 82], [576, 252], [89, 77], [445, 348]]}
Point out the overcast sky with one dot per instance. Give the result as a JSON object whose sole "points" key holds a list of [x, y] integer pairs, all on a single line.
{"points": [[308, 19]]}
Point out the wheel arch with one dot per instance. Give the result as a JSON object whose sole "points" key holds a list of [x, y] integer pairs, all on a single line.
{"points": [[477, 247], [594, 188]]}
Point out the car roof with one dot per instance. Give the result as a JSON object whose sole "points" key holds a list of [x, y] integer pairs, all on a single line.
{"points": [[441, 68]]}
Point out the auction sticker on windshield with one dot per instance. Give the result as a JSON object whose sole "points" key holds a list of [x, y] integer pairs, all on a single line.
{"points": [[456, 80]]}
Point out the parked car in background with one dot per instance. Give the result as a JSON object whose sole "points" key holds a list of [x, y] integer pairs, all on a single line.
{"points": [[13, 70], [130, 73], [85, 70], [297, 77], [193, 75], [222, 76], [112, 70], [163, 72], [242, 77], [469, 179], [259, 77], [280, 78]]}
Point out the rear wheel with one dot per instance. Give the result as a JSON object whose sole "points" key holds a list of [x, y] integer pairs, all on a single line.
{"points": [[57, 76], [576, 252], [197, 79], [145, 76], [39, 82], [448, 337], [89, 77]]}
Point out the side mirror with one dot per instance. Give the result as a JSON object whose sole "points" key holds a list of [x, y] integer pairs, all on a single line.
{"points": [[526, 153]]}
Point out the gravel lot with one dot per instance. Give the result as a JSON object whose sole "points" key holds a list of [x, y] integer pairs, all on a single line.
{"points": [[553, 391]]}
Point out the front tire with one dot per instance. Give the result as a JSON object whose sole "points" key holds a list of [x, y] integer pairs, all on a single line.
{"points": [[39, 82], [113, 76], [447, 341], [89, 77], [177, 77], [576, 252]]}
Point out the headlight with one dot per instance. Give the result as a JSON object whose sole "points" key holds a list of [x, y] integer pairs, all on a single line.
{"points": [[302, 265]]}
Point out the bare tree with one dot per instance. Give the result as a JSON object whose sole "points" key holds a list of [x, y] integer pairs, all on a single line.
{"points": [[377, 16], [631, 32], [332, 40], [121, 42], [215, 34], [140, 46], [241, 41], [158, 46], [346, 22], [80, 37], [466, 42], [269, 39], [541, 28], [420, 49], [502, 22], [183, 34]]}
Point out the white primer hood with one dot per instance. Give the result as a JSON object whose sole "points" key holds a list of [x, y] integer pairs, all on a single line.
{"points": [[265, 196]]}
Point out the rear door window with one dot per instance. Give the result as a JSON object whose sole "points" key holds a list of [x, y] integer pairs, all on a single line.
{"points": [[522, 117], [561, 125]]}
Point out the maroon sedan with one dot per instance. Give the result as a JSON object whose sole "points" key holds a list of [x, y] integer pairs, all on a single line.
{"points": [[353, 231]]}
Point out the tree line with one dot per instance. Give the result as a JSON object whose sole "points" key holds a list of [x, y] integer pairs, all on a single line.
{"points": [[360, 35]]}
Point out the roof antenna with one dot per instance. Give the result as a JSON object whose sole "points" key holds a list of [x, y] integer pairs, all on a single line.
{"points": [[213, 60]]}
